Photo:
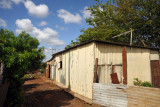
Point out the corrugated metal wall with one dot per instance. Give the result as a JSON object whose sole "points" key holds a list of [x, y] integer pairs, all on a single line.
{"points": [[59, 73], [77, 69], [81, 70], [78, 65], [114, 95], [138, 65], [107, 55], [138, 62]]}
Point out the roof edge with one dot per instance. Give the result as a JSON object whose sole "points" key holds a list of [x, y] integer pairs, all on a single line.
{"points": [[101, 41]]}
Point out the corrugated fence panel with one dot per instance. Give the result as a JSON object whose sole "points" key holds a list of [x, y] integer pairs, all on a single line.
{"points": [[143, 97], [116, 95], [110, 95]]}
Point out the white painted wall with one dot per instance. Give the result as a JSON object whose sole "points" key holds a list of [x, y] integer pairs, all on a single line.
{"points": [[138, 65], [138, 62], [154, 55], [107, 55], [77, 69]]}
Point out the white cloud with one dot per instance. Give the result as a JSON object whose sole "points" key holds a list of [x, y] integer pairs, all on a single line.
{"points": [[25, 24], [86, 13], [47, 35], [3, 23], [7, 4], [48, 54], [61, 28], [18, 1], [68, 17], [39, 11], [18, 31], [43, 23]]}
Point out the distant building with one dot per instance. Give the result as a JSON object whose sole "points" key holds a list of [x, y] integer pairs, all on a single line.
{"points": [[117, 64]]}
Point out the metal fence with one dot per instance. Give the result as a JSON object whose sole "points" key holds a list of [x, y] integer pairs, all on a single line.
{"points": [[116, 95], [110, 95]]}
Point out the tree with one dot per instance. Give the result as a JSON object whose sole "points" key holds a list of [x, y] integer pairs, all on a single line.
{"points": [[118, 16], [20, 55]]}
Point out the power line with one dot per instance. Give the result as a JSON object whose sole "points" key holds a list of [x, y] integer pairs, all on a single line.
{"points": [[52, 50]]}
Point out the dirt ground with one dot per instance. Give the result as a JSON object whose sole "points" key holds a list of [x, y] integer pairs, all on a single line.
{"points": [[42, 94]]}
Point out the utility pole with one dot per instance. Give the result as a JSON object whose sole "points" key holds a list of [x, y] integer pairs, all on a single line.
{"points": [[131, 30], [131, 37], [52, 50], [125, 34]]}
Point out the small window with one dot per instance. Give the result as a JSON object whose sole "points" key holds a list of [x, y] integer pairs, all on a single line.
{"points": [[60, 64]]}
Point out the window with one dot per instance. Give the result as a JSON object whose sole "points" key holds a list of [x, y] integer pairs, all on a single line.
{"points": [[60, 64]]}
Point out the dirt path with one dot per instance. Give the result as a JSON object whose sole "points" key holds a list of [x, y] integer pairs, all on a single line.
{"points": [[41, 94]]}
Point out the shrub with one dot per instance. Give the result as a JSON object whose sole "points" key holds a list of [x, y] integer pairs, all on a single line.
{"points": [[140, 83]]}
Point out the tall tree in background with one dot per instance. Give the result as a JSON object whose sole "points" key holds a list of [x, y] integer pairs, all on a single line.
{"points": [[118, 16], [20, 55]]}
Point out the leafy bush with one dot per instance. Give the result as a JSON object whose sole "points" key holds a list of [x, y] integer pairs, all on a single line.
{"points": [[20, 54], [140, 83], [42, 70]]}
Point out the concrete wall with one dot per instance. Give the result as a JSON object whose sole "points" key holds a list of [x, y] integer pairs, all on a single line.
{"points": [[77, 69]]}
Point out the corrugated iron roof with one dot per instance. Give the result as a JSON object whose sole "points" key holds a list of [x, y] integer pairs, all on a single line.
{"points": [[104, 42]]}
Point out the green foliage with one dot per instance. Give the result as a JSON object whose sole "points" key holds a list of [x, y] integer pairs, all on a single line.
{"points": [[118, 16], [42, 70], [72, 44], [140, 83], [31, 75], [20, 55]]}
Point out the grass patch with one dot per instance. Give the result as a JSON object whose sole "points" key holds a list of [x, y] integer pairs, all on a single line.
{"points": [[32, 75]]}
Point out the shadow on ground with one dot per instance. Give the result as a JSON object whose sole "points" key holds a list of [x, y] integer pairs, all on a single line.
{"points": [[28, 79], [43, 97], [30, 86], [49, 98]]}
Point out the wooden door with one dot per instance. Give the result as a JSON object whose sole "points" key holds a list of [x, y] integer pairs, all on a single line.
{"points": [[155, 73]]}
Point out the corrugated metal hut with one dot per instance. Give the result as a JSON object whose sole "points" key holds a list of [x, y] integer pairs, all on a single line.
{"points": [[116, 63]]}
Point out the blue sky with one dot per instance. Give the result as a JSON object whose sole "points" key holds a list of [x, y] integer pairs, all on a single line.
{"points": [[53, 22]]}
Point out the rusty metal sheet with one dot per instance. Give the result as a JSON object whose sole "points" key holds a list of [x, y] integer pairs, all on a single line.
{"points": [[114, 78], [155, 72], [110, 95], [95, 79], [124, 59]]}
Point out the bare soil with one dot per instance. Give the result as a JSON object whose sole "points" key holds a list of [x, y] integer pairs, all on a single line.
{"points": [[39, 93]]}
